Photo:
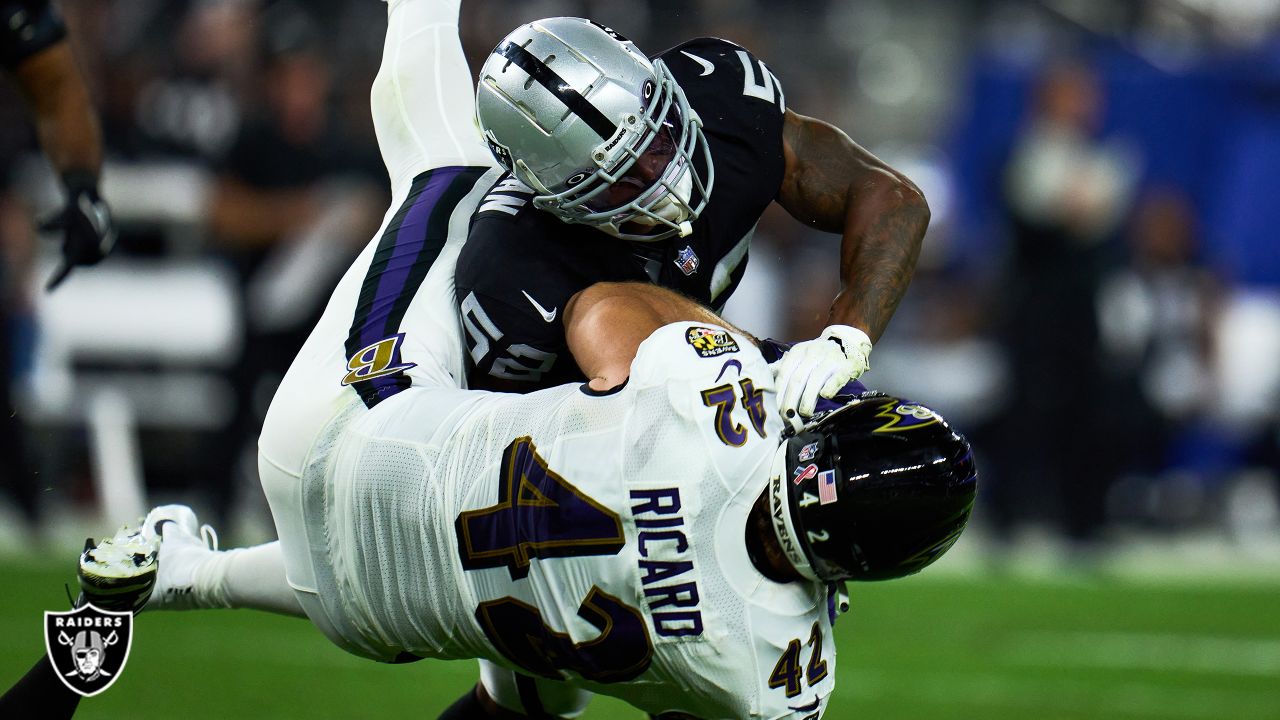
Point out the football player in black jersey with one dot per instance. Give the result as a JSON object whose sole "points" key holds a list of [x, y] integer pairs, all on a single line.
{"points": [[629, 168], [34, 48]]}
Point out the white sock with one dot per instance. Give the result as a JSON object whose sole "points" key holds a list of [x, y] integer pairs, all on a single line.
{"points": [[250, 578]]}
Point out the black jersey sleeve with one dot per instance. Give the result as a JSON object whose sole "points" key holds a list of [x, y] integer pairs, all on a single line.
{"points": [[514, 276], [510, 298], [739, 99], [26, 28], [509, 303], [514, 346], [741, 105]]}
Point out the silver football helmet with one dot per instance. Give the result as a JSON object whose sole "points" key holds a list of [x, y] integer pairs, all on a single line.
{"points": [[602, 135]]}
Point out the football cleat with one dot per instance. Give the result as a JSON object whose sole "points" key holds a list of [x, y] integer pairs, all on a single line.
{"points": [[118, 573], [182, 542]]}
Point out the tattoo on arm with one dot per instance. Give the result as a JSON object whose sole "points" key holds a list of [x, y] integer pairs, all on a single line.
{"points": [[835, 185]]}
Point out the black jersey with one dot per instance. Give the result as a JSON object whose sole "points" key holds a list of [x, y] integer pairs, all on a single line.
{"points": [[520, 265]]}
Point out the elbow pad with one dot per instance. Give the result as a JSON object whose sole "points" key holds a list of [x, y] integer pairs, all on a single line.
{"points": [[26, 28]]}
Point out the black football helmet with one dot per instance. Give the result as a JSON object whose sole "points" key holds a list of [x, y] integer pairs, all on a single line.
{"points": [[877, 489]]}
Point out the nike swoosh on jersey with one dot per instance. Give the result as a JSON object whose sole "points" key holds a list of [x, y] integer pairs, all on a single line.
{"points": [[548, 315], [707, 67], [728, 364]]}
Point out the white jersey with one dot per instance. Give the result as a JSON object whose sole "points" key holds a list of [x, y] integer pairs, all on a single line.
{"points": [[595, 538]]}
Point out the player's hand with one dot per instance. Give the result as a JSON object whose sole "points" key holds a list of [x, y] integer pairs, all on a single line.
{"points": [[88, 234], [819, 367]]}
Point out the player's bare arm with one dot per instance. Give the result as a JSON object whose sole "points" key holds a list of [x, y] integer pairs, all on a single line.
{"points": [[835, 185], [34, 47], [605, 324], [63, 114]]}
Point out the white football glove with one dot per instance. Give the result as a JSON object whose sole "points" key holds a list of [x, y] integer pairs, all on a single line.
{"points": [[819, 367]]}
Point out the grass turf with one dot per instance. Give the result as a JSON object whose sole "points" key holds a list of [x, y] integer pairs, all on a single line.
{"points": [[987, 647]]}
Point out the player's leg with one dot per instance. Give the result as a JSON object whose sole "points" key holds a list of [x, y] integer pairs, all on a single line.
{"points": [[171, 562], [249, 578], [40, 693], [477, 704], [503, 693], [182, 572], [423, 97]]}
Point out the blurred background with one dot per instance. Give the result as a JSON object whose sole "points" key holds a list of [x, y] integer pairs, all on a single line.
{"points": [[1097, 305]]}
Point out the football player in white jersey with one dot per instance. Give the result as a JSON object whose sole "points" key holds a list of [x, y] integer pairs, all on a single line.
{"points": [[652, 534]]}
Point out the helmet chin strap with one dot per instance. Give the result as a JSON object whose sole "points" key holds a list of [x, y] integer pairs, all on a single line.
{"points": [[780, 515], [674, 205]]}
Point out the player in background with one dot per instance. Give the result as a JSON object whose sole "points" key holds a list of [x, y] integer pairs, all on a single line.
{"points": [[652, 534], [627, 168], [35, 50], [438, 169]]}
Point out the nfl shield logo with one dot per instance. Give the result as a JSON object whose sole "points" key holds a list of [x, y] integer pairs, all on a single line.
{"points": [[687, 260], [88, 647]]}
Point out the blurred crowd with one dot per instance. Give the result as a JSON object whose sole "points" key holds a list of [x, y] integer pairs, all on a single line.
{"points": [[1098, 304]]}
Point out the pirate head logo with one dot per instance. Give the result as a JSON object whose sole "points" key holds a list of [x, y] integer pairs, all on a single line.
{"points": [[88, 647]]}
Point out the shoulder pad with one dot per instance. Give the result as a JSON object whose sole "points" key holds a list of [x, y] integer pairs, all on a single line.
{"points": [[725, 70]]}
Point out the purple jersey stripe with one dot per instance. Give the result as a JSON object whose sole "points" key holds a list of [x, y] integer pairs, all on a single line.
{"points": [[408, 248], [409, 240]]}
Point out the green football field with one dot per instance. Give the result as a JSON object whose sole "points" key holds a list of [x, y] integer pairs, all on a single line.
{"points": [[947, 646]]}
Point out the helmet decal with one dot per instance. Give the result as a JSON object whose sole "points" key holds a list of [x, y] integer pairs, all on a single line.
{"points": [[783, 528], [826, 487], [500, 151], [804, 472], [933, 552], [558, 86], [903, 415]]}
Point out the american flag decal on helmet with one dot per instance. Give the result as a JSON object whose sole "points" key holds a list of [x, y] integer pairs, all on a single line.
{"points": [[827, 487]]}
